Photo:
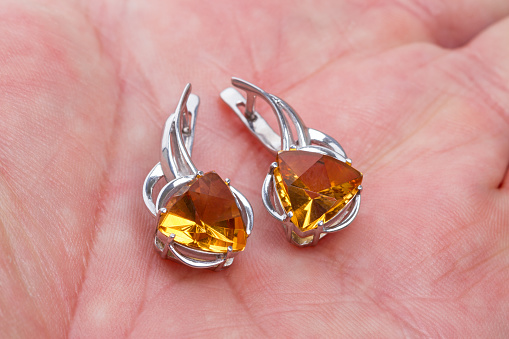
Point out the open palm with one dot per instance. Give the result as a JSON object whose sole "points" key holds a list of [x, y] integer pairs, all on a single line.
{"points": [[417, 92]]}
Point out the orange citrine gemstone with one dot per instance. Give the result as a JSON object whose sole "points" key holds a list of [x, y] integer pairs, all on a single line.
{"points": [[313, 186], [205, 216]]}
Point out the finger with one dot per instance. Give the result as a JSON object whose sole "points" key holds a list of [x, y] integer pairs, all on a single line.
{"points": [[288, 41], [454, 23], [483, 67]]}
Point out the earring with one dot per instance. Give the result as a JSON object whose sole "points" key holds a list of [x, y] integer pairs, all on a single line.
{"points": [[202, 221], [311, 187]]}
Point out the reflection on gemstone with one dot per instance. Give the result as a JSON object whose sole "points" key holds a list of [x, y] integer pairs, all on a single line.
{"points": [[313, 186], [302, 241], [204, 215]]}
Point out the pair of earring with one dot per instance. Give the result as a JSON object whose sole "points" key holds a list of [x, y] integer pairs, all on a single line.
{"points": [[203, 221]]}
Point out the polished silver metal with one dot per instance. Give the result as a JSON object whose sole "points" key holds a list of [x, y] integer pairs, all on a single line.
{"points": [[302, 138], [178, 170]]}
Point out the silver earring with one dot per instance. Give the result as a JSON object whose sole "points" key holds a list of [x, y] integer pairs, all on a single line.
{"points": [[311, 187], [202, 221]]}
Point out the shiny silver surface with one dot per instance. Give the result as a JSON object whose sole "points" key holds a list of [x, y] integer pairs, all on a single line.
{"points": [[305, 139], [179, 171]]}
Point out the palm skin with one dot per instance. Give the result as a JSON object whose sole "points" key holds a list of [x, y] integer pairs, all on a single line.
{"points": [[416, 92]]}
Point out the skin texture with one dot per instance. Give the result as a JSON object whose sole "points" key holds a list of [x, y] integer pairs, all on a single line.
{"points": [[417, 92]]}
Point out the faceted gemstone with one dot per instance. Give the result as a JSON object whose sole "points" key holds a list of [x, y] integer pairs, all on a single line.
{"points": [[205, 216], [313, 186]]}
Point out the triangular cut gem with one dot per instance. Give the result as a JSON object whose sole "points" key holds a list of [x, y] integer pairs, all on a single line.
{"points": [[313, 186], [205, 216]]}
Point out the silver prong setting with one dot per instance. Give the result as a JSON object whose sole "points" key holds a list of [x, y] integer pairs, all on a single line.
{"points": [[270, 198], [293, 234], [228, 260], [194, 257], [170, 249]]}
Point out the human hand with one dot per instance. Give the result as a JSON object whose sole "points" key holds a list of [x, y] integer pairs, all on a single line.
{"points": [[416, 92]]}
